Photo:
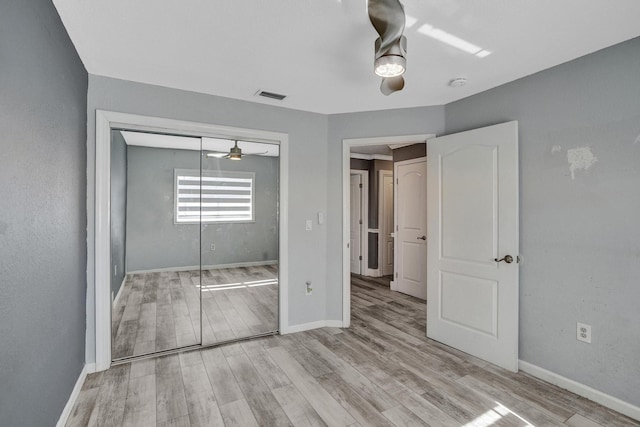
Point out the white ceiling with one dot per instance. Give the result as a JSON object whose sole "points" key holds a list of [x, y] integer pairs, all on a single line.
{"points": [[320, 52], [216, 145]]}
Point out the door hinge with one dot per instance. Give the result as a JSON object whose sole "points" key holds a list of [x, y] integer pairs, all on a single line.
{"points": [[360, 185], [397, 182], [360, 221], [360, 257], [396, 228], [396, 274]]}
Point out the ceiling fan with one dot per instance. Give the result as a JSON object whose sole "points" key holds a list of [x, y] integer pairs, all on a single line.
{"points": [[235, 153], [388, 19]]}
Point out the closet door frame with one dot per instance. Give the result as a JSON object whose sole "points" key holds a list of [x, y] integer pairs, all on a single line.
{"points": [[98, 283]]}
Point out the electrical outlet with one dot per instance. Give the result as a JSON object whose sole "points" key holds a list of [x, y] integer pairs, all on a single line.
{"points": [[309, 289], [583, 332], [115, 269], [212, 247]]}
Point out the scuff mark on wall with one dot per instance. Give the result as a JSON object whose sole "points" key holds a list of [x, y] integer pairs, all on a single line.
{"points": [[580, 158], [556, 149]]}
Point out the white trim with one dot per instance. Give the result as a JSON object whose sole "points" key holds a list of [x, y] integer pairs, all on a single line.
{"points": [[580, 389], [314, 325], [364, 213], [64, 416], [346, 167], [371, 156], [206, 267], [105, 120]]}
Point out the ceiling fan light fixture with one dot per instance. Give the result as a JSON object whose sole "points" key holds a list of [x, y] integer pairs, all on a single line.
{"points": [[235, 153], [390, 66]]}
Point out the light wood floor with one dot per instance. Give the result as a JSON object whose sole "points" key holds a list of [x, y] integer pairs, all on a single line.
{"points": [[162, 311], [382, 372]]}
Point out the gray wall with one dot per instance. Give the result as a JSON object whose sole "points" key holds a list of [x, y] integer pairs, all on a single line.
{"points": [[118, 210], [307, 175], [155, 241], [407, 121], [579, 235], [409, 152], [43, 93]]}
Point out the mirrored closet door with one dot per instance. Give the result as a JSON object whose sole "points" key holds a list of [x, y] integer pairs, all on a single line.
{"points": [[239, 239], [155, 258], [194, 241]]}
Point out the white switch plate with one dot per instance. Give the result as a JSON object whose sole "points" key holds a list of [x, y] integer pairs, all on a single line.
{"points": [[309, 225], [320, 218], [583, 332]]}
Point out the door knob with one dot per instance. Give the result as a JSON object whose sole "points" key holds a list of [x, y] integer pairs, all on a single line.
{"points": [[507, 258], [422, 238]]}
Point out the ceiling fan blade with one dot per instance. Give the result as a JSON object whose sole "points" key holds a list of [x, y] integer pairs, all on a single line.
{"points": [[217, 154], [391, 84], [255, 154]]}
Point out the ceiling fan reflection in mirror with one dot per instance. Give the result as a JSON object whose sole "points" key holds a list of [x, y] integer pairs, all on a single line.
{"points": [[235, 153]]}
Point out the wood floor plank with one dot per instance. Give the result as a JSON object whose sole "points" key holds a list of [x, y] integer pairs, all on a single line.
{"points": [[324, 404], [365, 413], [238, 414], [299, 411], [170, 397], [82, 408], [201, 403], [536, 416], [222, 380], [270, 373], [381, 370], [264, 405], [182, 320], [402, 417], [377, 397], [139, 409]]}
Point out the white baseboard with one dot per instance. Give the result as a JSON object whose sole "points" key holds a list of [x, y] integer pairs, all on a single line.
{"points": [[580, 389], [312, 325], [206, 267], [74, 395], [372, 273]]}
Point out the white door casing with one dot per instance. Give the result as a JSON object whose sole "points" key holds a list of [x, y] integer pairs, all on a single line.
{"points": [[385, 222], [355, 235], [98, 251], [347, 145], [410, 215], [472, 190]]}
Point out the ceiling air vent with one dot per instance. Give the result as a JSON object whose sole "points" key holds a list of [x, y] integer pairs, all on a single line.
{"points": [[271, 95]]}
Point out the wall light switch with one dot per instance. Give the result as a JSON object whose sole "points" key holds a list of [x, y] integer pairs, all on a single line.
{"points": [[320, 218], [309, 225]]}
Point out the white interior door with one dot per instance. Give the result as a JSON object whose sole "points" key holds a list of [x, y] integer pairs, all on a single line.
{"points": [[385, 221], [472, 195], [356, 223], [411, 228]]}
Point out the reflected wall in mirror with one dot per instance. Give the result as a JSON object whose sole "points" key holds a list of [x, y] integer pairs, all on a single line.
{"points": [[155, 261], [194, 241], [239, 240]]}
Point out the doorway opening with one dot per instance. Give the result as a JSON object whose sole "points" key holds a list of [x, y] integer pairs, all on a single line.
{"points": [[471, 185], [371, 254]]}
